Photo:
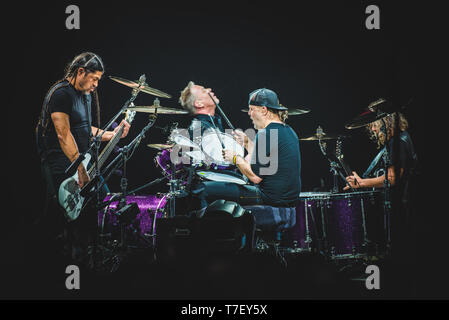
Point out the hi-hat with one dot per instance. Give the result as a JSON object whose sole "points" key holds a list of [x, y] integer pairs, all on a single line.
{"points": [[321, 135], [291, 112], [144, 88], [159, 109]]}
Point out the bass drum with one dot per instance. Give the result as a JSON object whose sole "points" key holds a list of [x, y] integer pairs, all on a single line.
{"points": [[355, 225], [151, 207]]}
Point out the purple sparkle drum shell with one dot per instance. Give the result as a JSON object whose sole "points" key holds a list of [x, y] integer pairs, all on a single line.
{"points": [[354, 220], [307, 232], [148, 205], [164, 162]]}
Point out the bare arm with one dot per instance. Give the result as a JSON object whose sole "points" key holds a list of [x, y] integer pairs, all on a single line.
{"points": [[243, 140], [68, 143], [106, 136], [245, 168], [243, 165], [377, 182]]}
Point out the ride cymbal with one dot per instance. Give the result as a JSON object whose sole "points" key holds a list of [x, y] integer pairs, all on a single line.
{"points": [[144, 88]]}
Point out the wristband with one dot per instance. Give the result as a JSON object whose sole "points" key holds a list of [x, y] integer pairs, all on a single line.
{"points": [[234, 159]]}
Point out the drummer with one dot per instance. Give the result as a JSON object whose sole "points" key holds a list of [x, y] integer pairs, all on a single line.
{"points": [[276, 182]]}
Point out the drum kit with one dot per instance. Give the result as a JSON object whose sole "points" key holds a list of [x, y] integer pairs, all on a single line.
{"points": [[348, 225]]}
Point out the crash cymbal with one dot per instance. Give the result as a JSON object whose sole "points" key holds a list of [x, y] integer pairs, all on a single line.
{"points": [[144, 88], [365, 118], [160, 110], [372, 113], [376, 110], [160, 146], [291, 112]]}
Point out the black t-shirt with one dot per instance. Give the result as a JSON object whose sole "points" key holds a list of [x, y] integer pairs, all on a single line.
{"points": [[78, 106], [276, 159], [407, 161]]}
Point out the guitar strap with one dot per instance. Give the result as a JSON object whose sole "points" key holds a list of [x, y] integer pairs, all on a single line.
{"points": [[373, 163]]}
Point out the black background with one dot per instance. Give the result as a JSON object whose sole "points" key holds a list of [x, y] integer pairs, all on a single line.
{"points": [[316, 55]]}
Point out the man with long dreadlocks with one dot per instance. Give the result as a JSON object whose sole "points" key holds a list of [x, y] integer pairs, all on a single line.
{"points": [[65, 130]]}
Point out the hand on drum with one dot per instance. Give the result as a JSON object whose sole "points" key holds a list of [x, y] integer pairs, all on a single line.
{"points": [[354, 181], [228, 155]]}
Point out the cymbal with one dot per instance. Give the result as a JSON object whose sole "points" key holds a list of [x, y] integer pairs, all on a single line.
{"points": [[365, 118], [316, 138], [387, 106], [376, 110], [160, 146], [291, 112], [144, 88], [160, 110]]}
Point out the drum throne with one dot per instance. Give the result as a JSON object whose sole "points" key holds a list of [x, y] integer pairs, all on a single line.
{"points": [[272, 223]]}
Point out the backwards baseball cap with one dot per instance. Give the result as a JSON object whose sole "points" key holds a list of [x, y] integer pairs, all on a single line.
{"points": [[265, 98]]}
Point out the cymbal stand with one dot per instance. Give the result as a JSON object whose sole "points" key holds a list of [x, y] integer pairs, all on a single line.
{"points": [[125, 154], [334, 166]]}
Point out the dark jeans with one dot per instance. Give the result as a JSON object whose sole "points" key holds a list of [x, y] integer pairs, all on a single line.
{"points": [[53, 222], [209, 191]]}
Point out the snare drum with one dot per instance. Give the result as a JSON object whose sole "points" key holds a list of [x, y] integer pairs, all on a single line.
{"points": [[354, 224], [212, 147]]}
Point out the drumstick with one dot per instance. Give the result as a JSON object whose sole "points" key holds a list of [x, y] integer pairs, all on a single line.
{"points": [[215, 129], [222, 113]]}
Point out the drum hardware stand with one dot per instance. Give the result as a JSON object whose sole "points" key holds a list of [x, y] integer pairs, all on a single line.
{"points": [[387, 186], [366, 241], [125, 154], [96, 170], [323, 226], [334, 166], [308, 238], [173, 183]]}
